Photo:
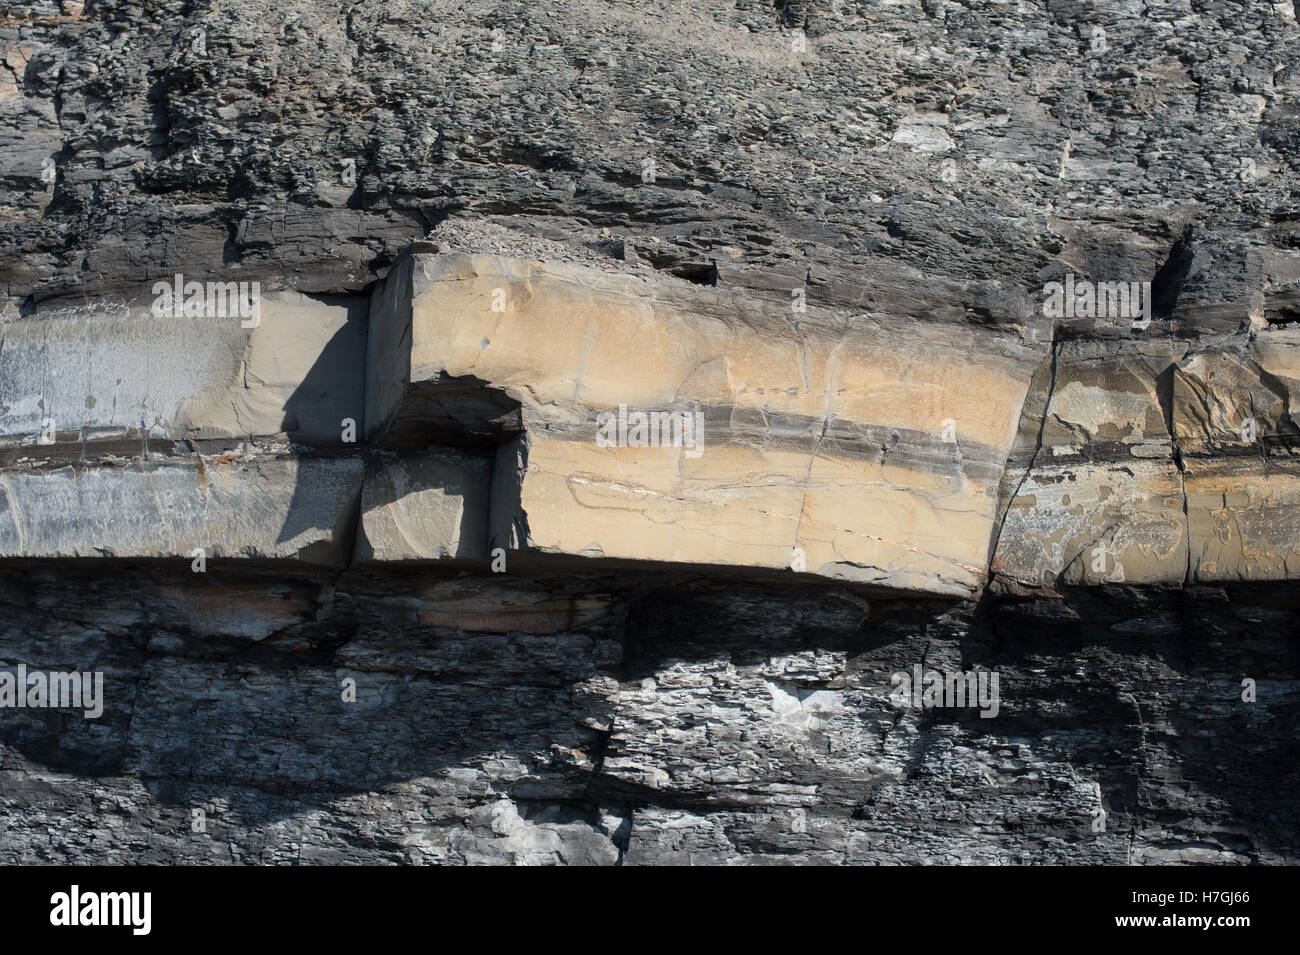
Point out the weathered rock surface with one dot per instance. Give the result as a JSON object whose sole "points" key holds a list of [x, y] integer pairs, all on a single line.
{"points": [[641, 720], [432, 505], [441, 622], [874, 446], [1156, 461], [250, 507], [114, 370]]}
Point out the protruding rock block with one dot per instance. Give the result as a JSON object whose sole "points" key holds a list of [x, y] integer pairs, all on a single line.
{"points": [[427, 506], [857, 447]]}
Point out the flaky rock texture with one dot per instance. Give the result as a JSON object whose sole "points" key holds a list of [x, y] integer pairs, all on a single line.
{"points": [[315, 320], [647, 719]]}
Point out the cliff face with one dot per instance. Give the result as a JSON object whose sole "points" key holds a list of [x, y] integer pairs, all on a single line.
{"points": [[569, 432], [644, 718]]}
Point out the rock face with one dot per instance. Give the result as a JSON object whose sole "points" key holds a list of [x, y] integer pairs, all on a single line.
{"points": [[577, 433], [763, 427], [256, 507], [1156, 462], [641, 719]]}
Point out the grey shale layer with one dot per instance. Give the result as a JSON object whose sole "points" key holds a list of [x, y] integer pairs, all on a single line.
{"points": [[311, 315]]}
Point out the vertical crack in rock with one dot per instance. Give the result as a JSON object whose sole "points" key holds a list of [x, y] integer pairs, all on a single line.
{"points": [[1135, 823], [1033, 456]]}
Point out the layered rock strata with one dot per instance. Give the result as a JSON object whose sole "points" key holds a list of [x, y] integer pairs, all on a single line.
{"points": [[868, 447], [1156, 460], [362, 578], [595, 720]]}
